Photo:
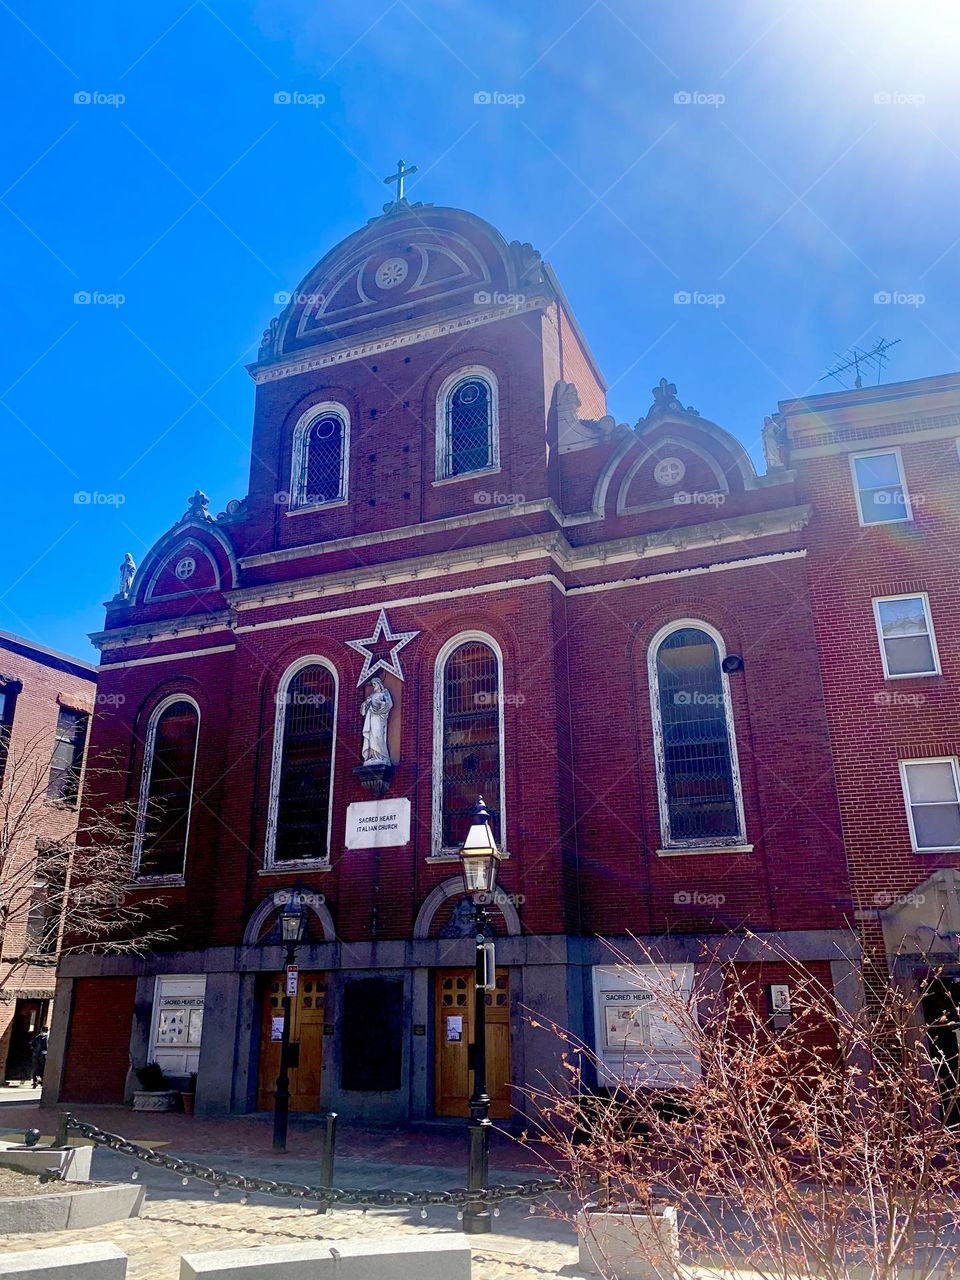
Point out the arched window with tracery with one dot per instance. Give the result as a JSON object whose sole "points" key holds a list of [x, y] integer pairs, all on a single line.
{"points": [[166, 790], [467, 424], [302, 778], [697, 773], [469, 746], [320, 454]]}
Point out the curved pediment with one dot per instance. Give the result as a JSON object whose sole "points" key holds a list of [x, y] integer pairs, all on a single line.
{"points": [[414, 261], [191, 562]]}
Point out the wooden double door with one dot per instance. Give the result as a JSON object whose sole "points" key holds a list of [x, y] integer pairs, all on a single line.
{"points": [[454, 1006], [306, 1029]]}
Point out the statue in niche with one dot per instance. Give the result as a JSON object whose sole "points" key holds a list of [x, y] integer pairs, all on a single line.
{"points": [[127, 571], [375, 709]]}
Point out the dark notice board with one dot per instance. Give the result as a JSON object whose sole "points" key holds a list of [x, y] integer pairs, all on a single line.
{"points": [[371, 1034]]}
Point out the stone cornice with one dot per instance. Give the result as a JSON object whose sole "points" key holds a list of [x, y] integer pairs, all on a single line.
{"points": [[400, 534], [325, 355], [162, 629], [513, 552]]}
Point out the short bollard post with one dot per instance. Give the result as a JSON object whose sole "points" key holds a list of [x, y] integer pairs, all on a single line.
{"points": [[326, 1161], [63, 1131]]}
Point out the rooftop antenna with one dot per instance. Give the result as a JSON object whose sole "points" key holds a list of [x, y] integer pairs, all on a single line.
{"points": [[858, 360]]}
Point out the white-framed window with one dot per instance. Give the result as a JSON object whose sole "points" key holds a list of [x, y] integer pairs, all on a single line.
{"points": [[880, 486], [931, 789], [468, 755], [468, 424], [300, 807], [905, 631], [166, 789], [698, 777], [321, 453]]}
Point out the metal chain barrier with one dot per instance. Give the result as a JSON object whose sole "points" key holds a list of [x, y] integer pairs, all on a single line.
{"points": [[348, 1197]]}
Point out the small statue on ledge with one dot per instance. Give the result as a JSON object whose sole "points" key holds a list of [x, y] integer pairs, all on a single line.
{"points": [[127, 572]]}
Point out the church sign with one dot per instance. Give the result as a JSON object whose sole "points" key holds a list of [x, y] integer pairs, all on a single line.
{"points": [[637, 1036], [378, 824]]}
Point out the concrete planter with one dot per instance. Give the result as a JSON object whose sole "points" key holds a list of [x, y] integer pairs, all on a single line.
{"points": [[147, 1100], [631, 1243], [88, 1207], [73, 1162]]}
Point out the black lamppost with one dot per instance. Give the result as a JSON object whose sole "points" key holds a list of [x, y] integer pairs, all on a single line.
{"points": [[480, 860], [292, 928]]}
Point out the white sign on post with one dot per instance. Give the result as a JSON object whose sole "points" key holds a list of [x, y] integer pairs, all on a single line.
{"points": [[378, 824], [292, 974]]}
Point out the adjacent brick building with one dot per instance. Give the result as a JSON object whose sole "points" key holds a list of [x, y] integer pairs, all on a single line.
{"points": [[454, 573], [46, 700]]}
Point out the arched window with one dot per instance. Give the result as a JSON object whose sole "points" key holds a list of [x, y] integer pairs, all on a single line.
{"points": [[697, 775], [469, 738], [302, 779], [166, 791], [467, 426], [320, 451]]}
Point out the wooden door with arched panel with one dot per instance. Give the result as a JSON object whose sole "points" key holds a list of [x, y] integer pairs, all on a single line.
{"points": [[306, 1029], [453, 1039]]}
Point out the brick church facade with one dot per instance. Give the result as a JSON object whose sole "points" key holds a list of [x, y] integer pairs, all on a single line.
{"points": [[454, 573]]}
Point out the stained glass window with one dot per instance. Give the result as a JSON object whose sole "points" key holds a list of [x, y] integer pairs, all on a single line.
{"points": [[469, 427], [303, 800], [471, 739], [319, 462], [698, 771], [165, 816]]}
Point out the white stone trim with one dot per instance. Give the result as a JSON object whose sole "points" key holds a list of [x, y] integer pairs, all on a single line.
{"points": [[437, 848], [480, 373], [453, 888], [319, 358], [732, 843], [723, 566], [165, 657], [324, 408], [279, 712], [143, 798], [259, 917]]}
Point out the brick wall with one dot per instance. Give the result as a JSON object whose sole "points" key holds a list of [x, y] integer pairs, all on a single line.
{"points": [[98, 1048]]}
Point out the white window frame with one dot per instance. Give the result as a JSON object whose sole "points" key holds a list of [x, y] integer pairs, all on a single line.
{"points": [[908, 804], [732, 843], [877, 453], [270, 864], [449, 385], [928, 614], [437, 848], [298, 472], [144, 798]]}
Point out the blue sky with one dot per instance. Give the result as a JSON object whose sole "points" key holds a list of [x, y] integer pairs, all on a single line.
{"points": [[815, 165]]}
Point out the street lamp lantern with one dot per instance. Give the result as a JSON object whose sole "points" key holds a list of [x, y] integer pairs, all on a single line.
{"points": [[480, 860], [479, 857], [292, 923]]}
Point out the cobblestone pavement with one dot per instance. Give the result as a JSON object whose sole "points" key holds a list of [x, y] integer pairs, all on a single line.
{"points": [[178, 1219]]}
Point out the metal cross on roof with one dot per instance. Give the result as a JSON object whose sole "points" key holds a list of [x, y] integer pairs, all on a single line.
{"points": [[398, 177]]}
